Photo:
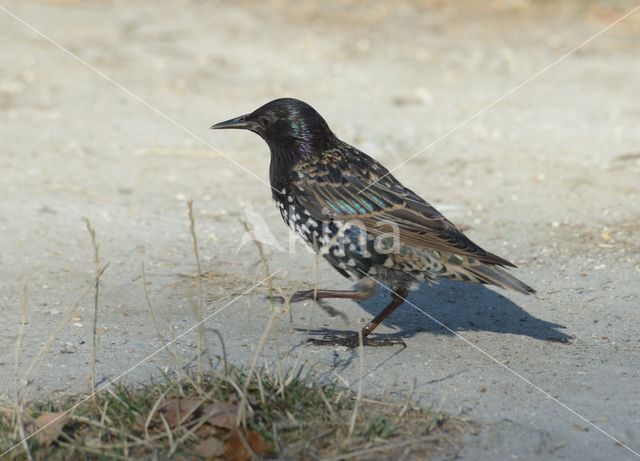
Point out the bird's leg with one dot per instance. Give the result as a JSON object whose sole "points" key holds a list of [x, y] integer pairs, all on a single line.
{"points": [[397, 298], [364, 289], [327, 294], [306, 295], [396, 301]]}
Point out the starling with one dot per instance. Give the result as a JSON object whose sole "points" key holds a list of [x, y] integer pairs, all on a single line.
{"points": [[360, 218]]}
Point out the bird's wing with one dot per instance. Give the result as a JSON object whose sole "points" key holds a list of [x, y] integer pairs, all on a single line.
{"points": [[327, 195]]}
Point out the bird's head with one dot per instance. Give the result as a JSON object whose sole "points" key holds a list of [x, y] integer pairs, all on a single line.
{"points": [[287, 125]]}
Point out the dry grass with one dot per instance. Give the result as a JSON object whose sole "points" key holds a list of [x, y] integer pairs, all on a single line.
{"points": [[96, 299], [198, 309], [195, 417]]}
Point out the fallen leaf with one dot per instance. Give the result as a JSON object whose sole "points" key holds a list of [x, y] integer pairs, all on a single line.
{"points": [[235, 448], [207, 430], [257, 443], [221, 414], [178, 411], [210, 448], [139, 422], [51, 425]]}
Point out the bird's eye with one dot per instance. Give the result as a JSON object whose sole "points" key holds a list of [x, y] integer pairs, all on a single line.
{"points": [[264, 121]]}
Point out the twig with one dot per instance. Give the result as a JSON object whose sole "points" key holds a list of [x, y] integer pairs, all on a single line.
{"points": [[200, 309], [104, 417], [408, 400], [224, 350], [263, 400], [96, 298], [23, 321], [19, 402], [154, 320], [172, 445], [263, 255], [241, 420], [323, 396], [152, 412]]}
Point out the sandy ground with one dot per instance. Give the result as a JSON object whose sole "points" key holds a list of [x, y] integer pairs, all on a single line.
{"points": [[548, 177]]}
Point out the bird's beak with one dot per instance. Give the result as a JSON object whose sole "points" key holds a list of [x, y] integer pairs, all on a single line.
{"points": [[240, 123]]}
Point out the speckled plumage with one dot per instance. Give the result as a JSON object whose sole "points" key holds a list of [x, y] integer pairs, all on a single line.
{"points": [[359, 217]]}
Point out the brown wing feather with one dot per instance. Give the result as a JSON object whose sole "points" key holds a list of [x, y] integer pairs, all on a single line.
{"points": [[419, 223]]}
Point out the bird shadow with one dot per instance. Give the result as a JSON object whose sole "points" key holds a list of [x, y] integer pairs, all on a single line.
{"points": [[460, 307]]}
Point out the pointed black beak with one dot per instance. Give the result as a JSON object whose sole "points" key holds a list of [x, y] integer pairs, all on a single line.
{"points": [[240, 123]]}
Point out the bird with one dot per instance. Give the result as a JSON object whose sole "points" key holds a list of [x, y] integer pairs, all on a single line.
{"points": [[365, 223]]}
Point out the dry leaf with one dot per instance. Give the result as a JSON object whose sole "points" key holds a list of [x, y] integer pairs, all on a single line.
{"points": [[236, 450], [207, 430], [139, 423], [178, 411], [221, 414], [257, 443], [51, 425], [210, 448]]}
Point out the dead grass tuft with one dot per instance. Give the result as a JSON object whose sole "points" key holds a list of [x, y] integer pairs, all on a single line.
{"points": [[196, 417]]}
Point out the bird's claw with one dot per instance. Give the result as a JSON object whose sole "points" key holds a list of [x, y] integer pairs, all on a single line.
{"points": [[353, 341], [302, 296]]}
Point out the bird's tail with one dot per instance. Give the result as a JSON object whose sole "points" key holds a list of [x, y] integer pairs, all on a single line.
{"points": [[496, 275]]}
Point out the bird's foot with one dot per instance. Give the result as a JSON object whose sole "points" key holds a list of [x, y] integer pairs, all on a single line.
{"points": [[353, 341], [302, 296]]}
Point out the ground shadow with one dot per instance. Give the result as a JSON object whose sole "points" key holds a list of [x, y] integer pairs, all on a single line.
{"points": [[461, 307]]}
